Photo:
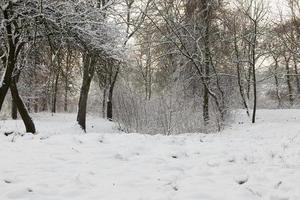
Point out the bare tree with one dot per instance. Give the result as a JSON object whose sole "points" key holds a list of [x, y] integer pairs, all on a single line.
{"points": [[255, 11]]}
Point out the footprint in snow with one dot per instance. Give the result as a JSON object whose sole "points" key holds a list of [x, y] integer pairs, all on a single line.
{"points": [[7, 181], [120, 157], [231, 160], [278, 185], [241, 180]]}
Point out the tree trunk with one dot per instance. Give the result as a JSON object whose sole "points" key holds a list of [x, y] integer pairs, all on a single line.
{"points": [[66, 95], [297, 76], [36, 106], [55, 94], [253, 63], [30, 127], [14, 110], [4, 87], [277, 84], [104, 102], [66, 76], [238, 69], [9, 61], [9, 68], [249, 74], [288, 80], [205, 107], [88, 73], [109, 112], [206, 17]]}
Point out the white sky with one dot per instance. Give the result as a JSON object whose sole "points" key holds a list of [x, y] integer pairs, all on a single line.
{"points": [[277, 6]]}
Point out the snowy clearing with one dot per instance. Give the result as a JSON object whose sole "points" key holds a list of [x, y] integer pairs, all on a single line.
{"points": [[260, 161]]}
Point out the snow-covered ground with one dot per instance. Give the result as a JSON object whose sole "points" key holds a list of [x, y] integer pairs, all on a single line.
{"points": [[244, 162]]}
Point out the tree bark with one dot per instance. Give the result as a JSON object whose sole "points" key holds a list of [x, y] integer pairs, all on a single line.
{"points": [[14, 110], [109, 112], [88, 73], [253, 63], [206, 17], [30, 127], [10, 61], [55, 93], [104, 102], [66, 98]]}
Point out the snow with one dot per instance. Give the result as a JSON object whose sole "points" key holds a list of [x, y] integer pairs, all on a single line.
{"points": [[244, 162]]}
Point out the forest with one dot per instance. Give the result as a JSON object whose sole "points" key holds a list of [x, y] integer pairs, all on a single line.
{"points": [[149, 99], [152, 66]]}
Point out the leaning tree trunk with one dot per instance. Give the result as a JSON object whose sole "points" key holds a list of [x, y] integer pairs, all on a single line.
{"points": [[30, 128], [9, 64], [14, 46], [5, 85], [9, 60], [88, 73], [238, 69], [14, 110]]}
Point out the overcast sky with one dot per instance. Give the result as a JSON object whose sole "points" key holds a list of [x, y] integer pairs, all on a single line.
{"points": [[277, 6]]}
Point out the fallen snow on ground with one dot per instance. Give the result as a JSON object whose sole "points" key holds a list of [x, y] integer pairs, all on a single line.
{"points": [[244, 162]]}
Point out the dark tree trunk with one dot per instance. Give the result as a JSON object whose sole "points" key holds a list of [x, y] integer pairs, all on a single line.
{"points": [[254, 95], [9, 65], [206, 16], [9, 61], [88, 73], [4, 88], [205, 107], [66, 99], [104, 102], [253, 63], [14, 110], [30, 128], [109, 112], [55, 94]]}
